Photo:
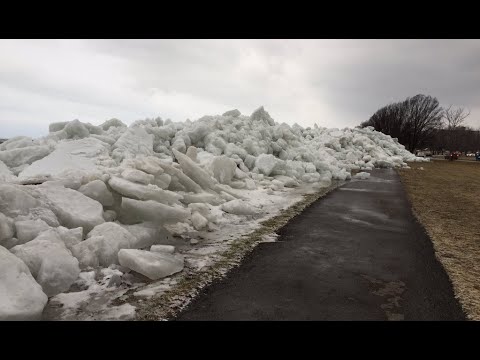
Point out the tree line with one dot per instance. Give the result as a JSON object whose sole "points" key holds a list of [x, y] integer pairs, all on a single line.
{"points": [[420, 122]]}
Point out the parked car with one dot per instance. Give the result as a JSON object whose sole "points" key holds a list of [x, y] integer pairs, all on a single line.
{"points": [[470, 154], [477, 156], [451, 155]]}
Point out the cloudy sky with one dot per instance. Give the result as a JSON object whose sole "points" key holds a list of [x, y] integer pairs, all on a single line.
{"points": [[334, 83]]}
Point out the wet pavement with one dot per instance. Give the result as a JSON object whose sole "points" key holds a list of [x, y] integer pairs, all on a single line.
{"points": [[356, 254]]}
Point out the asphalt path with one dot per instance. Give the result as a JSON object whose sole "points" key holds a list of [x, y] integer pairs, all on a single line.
{"points": [[356, 254]]}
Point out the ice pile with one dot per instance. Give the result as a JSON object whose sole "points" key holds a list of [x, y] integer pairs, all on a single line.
{"points": [[87, 196]]}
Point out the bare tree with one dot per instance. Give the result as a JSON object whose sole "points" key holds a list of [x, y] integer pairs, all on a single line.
{"points": [[455, 116], [413, 121]]}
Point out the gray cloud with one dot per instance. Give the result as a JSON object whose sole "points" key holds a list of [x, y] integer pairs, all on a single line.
{"points": [[334, 83]]}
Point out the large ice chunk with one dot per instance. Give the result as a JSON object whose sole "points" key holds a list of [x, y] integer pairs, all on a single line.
{"points": [[97, 190], [167, 249], [113, 232], [222, 168], [16, 142], [261, 115], [49, 261], [112, 123], [362, 175], [199, 222], [266, 163], [143, 192], [186, 182], [135, 141], [70, 237], [147, 234], [76, 130], [287, 181], [195, 172], [239, 207], [7, 229], [202, 198], [72, 208], [102, 245], [29, 229], [232, 113], [154, 211], [154, 265], [137, 176], [69, 155], [5, 174], [25, 155], [15, 201], [21, 297], [41, 213]]}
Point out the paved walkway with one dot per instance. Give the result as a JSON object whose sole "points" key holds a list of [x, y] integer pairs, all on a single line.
{"points": [[356, 254]]}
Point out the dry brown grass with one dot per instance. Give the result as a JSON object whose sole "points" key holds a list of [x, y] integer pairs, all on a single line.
{"points": [[445, 197]]}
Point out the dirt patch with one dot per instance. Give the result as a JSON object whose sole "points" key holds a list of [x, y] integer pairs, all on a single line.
{"points": [[445, 197]]}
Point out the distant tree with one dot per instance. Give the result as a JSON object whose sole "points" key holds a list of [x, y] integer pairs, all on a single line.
{"points": [[413, 121], [457, 135], [455, 116]]}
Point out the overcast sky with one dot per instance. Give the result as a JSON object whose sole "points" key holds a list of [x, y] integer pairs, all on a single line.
{"points": [[334, 83]]}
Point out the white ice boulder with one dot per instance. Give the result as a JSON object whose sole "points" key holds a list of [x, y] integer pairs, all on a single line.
{"points": [[149, 165], [110, 215], [21, 297], [17, 142], [15, 201], [147, 234], [154, 265], [137, 176], [5, 174], [7, 229], [41, 213], [192, 153], [277, 184], [250, 161], [162, 181], [266, 163], [203, 197], [287, 181], [262, 115], [232, 113], [70, 237], [28, 230], [106, 139], [362, 175], [69, 155], [72, 208], [97, 190], [112, 231], [154, 211], [133, 142], [198, 221], [102, 245], [186, 181], [194, 171], [143, 192], [26, 155], [222, 168], [167, 249], [112, 123], [76, 129], [98, 251], [239, 207], [250, 184], [49, 261], [240, 174]]}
